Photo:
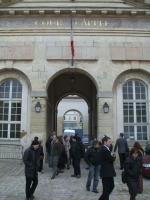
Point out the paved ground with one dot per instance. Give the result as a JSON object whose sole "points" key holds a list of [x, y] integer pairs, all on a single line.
{"points": [[64, 187]]}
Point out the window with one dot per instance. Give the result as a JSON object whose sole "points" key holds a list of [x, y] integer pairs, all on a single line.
{"points": [[135, 110], [10, 109]]}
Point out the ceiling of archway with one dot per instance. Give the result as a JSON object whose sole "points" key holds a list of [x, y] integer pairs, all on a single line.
{"points": [[72, 83]]}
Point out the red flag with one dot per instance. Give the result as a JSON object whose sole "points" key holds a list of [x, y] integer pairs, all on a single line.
{"points": [[72, 48], [72, 45]]}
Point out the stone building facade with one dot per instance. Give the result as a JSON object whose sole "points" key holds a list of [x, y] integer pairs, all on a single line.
{"points": [[108, 61]]}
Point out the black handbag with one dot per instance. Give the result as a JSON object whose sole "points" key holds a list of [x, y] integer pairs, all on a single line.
{"points": [[123, 177]]}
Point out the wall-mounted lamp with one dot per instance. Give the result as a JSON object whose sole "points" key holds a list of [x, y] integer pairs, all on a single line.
{"points": [[105, 107], [38, 107]]}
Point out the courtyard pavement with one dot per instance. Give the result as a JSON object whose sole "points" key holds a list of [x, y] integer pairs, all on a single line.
{"points": [[64, 187]]}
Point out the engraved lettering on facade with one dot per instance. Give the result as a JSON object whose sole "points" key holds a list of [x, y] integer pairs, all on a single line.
{"points": [[77, 22]]}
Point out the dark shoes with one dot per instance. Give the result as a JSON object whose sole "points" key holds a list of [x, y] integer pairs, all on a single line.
{"points": [[95, 191], [30, 198], [78, 176], [60, 171], [88, 189], [73, 175], [53, 177]]}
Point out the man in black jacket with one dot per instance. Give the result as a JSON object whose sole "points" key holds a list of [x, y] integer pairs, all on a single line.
{"points": [[92, 159], [107, 171], [77, 152], [31, 160]]}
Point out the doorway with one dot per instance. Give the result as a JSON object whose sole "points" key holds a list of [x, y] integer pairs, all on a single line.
{"points": [[71, 82]]}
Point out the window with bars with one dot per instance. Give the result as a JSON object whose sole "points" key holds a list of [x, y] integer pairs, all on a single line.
{"points": [[135, 110], [10, 108]]}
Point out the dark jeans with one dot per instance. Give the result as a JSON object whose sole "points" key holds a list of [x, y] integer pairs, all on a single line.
{"points": [[122, 157], [133, 188], [108, 186], [76, 166], [41, 165], [55, 160], [31, 184]]}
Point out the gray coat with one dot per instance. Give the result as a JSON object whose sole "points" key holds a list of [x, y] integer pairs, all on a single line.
{"points": [[122, 146]]}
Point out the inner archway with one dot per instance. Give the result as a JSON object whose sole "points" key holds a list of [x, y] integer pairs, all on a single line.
{"points": [[72, 116], [72, 82]]}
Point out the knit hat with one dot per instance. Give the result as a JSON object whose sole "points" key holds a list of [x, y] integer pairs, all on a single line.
{"points": [[34, 142]]}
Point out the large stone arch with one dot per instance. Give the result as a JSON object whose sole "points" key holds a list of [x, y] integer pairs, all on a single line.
{"points": [[6, 73], [130, 73], [72, 81], [15, 74]]}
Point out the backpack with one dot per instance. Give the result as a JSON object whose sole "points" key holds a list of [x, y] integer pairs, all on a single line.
{"points": [[124, 177]]}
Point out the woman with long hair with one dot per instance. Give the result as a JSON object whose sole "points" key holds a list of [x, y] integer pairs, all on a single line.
{"points": [[132, 167]]}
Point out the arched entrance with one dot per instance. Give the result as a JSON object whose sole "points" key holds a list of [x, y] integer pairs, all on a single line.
{"points": [[72, 114], [71, 82]]}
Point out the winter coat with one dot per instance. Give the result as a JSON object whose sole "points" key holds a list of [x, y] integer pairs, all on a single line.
{"points": [[132, 168], [77, 150], [106, 161], [56, 149], [48, 145], [41, 152], [122, 145], [92, 156], [31, 159]]}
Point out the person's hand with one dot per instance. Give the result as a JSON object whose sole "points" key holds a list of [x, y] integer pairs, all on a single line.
{"points": [[114, 155]]}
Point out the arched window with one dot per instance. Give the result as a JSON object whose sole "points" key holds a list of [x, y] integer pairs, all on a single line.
{"points": [[10, 108], [135, 120]]}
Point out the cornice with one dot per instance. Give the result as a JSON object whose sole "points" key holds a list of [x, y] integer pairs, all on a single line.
{"points": [[74, 11]]}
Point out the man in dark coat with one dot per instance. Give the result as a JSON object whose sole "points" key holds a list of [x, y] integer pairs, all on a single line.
{"points": [[107, 171], [77, 152], [92, 159], [56, 150], [48, 147], [41, 152], [31, 160], [123, 149]]}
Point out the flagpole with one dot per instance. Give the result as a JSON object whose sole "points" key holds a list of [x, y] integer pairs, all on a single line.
{"points": [[72, 43]]}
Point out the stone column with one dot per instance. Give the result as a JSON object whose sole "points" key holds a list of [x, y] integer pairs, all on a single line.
{"points": [[105, 120], [38, 119]]}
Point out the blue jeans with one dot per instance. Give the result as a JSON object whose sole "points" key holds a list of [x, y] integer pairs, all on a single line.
{"points": [[94, 172]]}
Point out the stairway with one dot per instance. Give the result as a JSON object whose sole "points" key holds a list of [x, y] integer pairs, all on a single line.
{"points": [[10, 150]]}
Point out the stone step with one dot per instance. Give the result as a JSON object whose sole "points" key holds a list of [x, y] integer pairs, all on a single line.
{"points": [[11, 151]]}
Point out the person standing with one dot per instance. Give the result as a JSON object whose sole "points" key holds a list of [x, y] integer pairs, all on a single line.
{"points": [[92, 159], [41, 156], [140, 157], [31, 160], [76, 155], [56, 150], [132, 168], [48, 147], [67, 149], [107, 171], [123, 149]]}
